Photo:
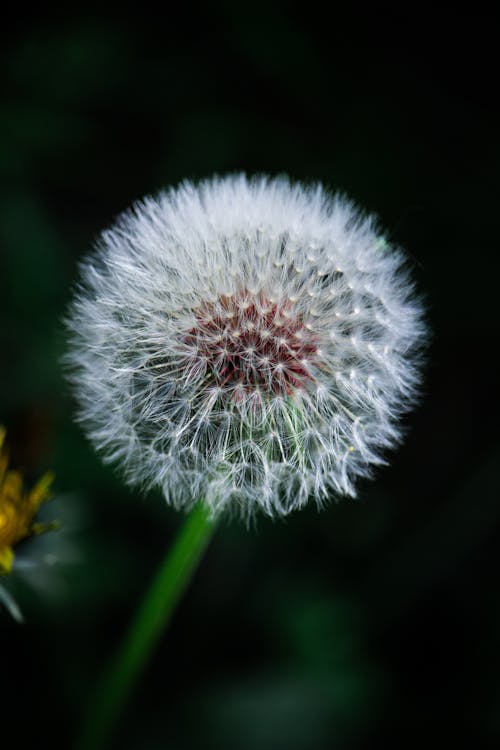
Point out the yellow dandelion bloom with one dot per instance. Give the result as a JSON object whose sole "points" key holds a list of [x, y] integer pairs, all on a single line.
{"points": [[18, 508]]}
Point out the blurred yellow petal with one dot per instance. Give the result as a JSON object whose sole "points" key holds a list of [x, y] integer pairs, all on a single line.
{"points": [[12, 489], [18, 508], [40, 491], [6, 560], [41, 528]]}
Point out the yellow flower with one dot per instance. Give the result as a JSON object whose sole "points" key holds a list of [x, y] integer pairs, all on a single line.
{"points": [[18, 508]]}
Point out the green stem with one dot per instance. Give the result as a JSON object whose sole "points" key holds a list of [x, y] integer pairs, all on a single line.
{"points": [[151, 620]]}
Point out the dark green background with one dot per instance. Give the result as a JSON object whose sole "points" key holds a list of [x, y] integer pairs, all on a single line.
{"points": [[377, 620]]}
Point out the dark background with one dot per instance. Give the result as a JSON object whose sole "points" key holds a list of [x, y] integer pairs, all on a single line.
{"points": [[376, 621]]}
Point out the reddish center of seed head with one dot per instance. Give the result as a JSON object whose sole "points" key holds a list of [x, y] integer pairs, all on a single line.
{"points": [[249, 342]]}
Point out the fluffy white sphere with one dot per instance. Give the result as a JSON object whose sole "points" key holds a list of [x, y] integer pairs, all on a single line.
{"points": [[251, 343]]}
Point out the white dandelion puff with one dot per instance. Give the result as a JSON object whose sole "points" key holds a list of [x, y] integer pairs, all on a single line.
{"points": [[249, 342]]}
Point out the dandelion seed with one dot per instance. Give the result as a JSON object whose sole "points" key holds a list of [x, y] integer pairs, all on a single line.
{"points": [[208, 340]]}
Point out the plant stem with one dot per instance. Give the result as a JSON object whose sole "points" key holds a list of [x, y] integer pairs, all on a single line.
{"points": [[150, 622]]}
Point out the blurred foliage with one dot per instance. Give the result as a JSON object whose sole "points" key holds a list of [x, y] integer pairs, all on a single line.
{"points": [[377, 620]]}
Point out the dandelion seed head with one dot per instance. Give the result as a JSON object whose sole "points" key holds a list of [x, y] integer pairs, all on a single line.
{"points": [[250, 342]]}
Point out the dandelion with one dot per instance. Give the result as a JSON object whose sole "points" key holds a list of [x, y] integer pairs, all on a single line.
{"points": [[245, 344], [18, 511], [251, 342]]}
